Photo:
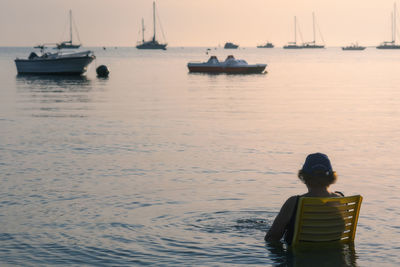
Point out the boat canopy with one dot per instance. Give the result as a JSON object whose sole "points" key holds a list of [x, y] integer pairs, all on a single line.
{"points": [[230, 60], [213, 60]]}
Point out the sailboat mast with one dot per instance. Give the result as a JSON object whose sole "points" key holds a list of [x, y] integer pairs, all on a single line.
{"points": [[394, 24], [142, 30], [70, 26], [313, 20], [295, 30], [154, 20], [391, 25]]}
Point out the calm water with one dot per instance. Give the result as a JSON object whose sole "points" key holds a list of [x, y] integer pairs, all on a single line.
{"points": [[158, 166]]}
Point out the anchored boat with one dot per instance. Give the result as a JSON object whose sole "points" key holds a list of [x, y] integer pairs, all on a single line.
{"points": [[266, 45], [55, 63], [230, 66], [69, 44], [153, 43], [313, 43], [353, 47], [230, 45], [392, 44], [293, 45]]}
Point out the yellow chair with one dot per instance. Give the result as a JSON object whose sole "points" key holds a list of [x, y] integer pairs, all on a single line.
{"points": [[326, 219]]}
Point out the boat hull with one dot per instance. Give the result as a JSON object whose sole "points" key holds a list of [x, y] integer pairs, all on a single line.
{"points": [[163, 47], [152, 45], [58, 66], [265, 46], [292, 47], [313, 46], [388, 47], [352, 48], [259, 68]]}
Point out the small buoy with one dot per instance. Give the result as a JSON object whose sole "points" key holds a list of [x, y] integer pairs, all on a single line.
{"points": [[102, 71]]}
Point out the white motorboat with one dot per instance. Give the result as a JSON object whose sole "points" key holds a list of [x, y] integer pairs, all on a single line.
{"points": [[230, 66], [55, 63]]}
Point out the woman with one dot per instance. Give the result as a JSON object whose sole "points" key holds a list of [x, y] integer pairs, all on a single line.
{"points": [[317, 175]]}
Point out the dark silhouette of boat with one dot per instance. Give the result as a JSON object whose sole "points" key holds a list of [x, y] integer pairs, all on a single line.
{"points": [[353, 47], [153, 43], [388, 45], [68, 44], [229, 66], [293, 45], [59, 63], [230, 45], [392, 44], [266, 45], [313, 43]]}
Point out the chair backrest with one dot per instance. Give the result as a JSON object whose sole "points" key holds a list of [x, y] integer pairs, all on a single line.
{"points": [[326, 219]]}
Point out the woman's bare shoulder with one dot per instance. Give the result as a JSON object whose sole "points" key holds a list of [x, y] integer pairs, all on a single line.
{"points": [[292, 199], [290, 203], [277, 229]]}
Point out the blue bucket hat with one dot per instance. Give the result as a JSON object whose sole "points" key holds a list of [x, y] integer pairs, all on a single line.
{"points": [[317, 162]]}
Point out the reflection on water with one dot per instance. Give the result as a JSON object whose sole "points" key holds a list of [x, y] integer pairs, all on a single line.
{"points": [[54, 95], [154, 166], [48, 82], [321, 255]]}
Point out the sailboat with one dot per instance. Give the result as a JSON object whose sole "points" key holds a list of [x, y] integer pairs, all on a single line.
{"points": [[313, 44], [68, 44], [392, 44], [293, 45], [153, 43]]}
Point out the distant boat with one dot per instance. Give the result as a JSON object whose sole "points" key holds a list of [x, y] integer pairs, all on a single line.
{"points": [[353, 47], [388, 45], [229, 66], [69, 44], [392, 44], [293, 45], [266, 45], [153, 43], [230, 45], [313, 43], [55, 63]]}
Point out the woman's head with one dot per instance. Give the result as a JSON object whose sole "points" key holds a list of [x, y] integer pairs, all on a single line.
{"points": [[317, 171]]}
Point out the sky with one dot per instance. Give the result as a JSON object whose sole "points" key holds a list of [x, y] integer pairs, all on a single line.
{"points": [[196, 22]]}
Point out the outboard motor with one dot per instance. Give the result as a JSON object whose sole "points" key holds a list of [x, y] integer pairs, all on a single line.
{"points": [[32, 55]]}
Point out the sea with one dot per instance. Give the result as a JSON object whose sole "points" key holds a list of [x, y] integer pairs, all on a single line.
{"points": [[157, 166]]}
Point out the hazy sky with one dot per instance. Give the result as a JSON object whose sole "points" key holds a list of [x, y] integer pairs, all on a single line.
{"points": [[195, 22]]}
